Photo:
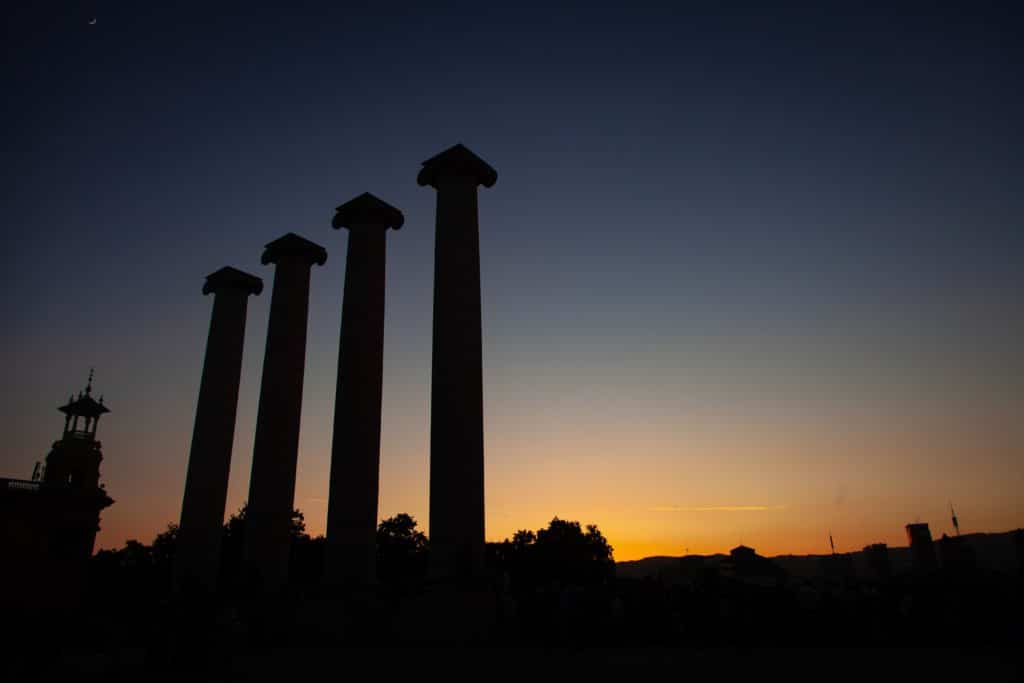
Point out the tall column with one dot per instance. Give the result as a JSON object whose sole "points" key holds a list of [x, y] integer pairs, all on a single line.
{"points": [[355, 452], [197, 558], [456, 392], [276, 448]]}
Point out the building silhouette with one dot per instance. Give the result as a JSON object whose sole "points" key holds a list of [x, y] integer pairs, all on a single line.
{"points": [[957, 555], [746, 565], [922, 550], [837, 566], [48, 524], [876, 558], [1018, 544]]}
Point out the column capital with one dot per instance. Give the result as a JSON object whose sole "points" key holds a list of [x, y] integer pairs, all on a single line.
{"points": [[232, 278], [291, 246], [367, 211], [457, 163]]}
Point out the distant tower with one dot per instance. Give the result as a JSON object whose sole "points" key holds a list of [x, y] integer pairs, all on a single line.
{"points": [[835, 565], [74, 464], [49, 526], [922, 550], [74, 460], [956, 523]]}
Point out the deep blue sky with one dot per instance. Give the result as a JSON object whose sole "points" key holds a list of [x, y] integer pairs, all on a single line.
{"points": [[715, 219]]}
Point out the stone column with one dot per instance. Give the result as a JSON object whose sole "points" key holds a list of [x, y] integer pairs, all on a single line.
{"points": [[456, 392], [276, 447], [355, 452], [197, 558]]}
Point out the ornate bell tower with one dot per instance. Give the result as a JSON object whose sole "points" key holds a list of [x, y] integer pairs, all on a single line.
{"points": [[74, 460], [52, 519], [73, 465]]}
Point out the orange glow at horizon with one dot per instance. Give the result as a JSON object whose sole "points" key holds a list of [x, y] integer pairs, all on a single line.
{"points": [[699, 487]]}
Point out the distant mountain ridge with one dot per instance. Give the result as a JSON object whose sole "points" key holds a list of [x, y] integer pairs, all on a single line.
{"points": [[994, 551]]}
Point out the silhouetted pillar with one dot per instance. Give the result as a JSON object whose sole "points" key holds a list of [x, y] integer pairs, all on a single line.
{"points": [[456, 393], [276, 448], [197, 557], [355, 452]]}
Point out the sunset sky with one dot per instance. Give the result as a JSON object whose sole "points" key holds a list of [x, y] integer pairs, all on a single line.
{"points": [[748, 275]]}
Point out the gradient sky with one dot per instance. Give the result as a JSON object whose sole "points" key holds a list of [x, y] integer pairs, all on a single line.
{"points": [[749, 275]]}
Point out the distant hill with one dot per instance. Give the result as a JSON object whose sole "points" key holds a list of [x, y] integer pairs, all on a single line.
{"points": [[994, 551], [648, 566]]}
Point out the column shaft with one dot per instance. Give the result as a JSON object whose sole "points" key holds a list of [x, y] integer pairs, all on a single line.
{"points": [[355, 453], [276, 447], [456, 397], [206, 485]]}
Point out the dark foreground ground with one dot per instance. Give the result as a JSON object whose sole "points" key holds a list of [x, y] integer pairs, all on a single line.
{"points": [[640, 628], [567, 663], [943, 626]]}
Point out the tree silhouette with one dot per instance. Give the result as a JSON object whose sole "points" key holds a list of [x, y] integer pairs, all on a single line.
{"points": [[306, 552], [234, 528], [136, 571], [164, 545], [563, 553], [523, 539], [401, 551]]}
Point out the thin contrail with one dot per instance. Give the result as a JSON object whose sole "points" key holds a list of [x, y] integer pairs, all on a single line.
{"points": [[717, 508]]}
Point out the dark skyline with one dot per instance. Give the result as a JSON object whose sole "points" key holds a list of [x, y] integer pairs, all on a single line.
{"points": [[739, 257]]}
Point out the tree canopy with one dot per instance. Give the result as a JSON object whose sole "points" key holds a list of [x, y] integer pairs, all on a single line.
{"points": [[402, 551], [561, 552]]}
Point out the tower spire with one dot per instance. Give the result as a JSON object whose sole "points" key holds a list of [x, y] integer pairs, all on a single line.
{"points": [[88, 386], [831, 542], [956, 523]]}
